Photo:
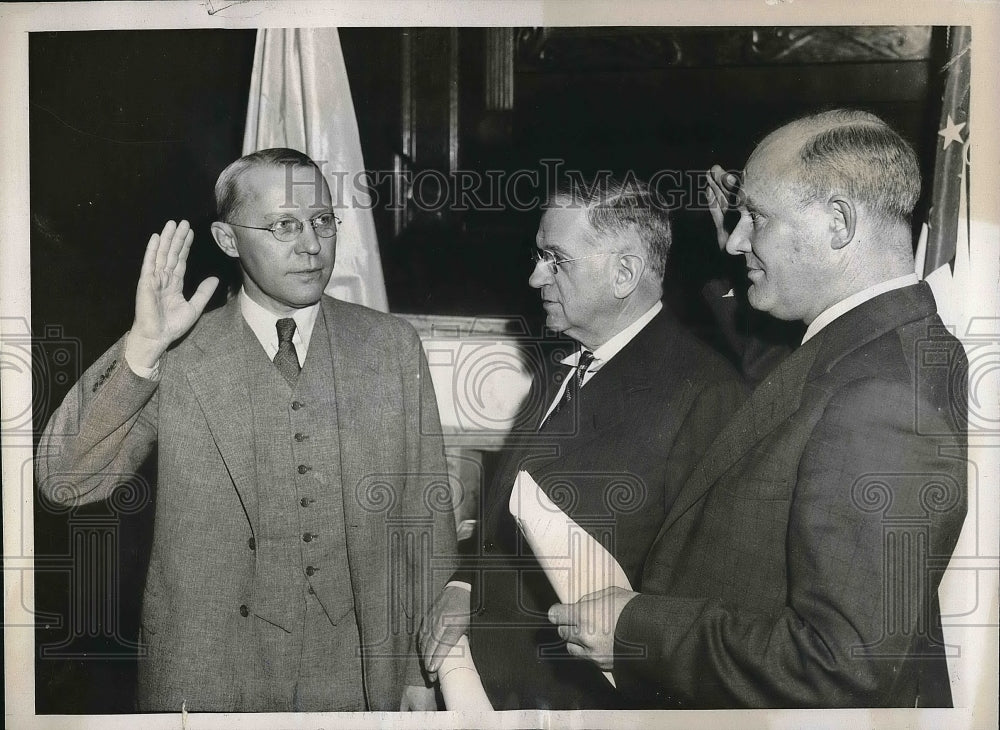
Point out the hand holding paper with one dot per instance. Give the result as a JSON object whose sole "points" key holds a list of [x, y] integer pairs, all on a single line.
{"points": [[588, 626], [578, 566]]}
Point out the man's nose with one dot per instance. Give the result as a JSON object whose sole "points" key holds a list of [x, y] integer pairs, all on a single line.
{"points": [[308, 242], [739, 239], [540, 275]]}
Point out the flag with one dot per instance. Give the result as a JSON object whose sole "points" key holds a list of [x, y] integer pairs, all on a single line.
{"points": [[300, 98], [943, 252]]}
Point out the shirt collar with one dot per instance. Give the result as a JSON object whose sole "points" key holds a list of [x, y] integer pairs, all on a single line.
{"points": [[262, 322], [615, 345], [846, 305]]}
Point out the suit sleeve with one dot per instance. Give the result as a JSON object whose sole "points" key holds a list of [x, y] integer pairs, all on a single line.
{"points": [[868, 486], [427, 492], [100, 434]]}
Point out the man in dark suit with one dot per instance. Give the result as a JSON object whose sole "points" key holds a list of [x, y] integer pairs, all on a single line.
{"points": [[297, 442], [800, 564], [639, 402]]}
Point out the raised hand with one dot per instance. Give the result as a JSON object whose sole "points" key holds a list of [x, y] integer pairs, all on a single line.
{"points": [[443, 626], [724, 195], [162, 314]]}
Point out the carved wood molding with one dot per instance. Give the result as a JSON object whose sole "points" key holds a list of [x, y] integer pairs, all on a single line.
{"points": [[634, 48]]}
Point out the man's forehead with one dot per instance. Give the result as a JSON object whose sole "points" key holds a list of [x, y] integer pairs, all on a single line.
{"points": [[284, 186], [772, 169], [563, 217]]}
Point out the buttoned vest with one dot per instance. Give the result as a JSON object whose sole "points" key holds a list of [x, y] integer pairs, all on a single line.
{"points": [[300, 539]]}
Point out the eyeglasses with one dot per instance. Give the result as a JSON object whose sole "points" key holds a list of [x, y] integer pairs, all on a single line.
{"points": [[543, 256], [288, 229]]}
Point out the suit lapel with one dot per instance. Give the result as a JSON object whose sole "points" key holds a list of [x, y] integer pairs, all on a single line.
{"points": [[620, 387], [780, 394], [611, 395], [770, 404], [219, 381], [356, 377]]}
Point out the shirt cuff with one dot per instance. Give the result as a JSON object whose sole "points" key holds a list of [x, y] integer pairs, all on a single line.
{"points": [[150, 373], [459, 584]]}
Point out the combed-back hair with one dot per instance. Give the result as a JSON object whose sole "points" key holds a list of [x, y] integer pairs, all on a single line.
{"points": [[616, 207], [228, 197], [859, 154]]}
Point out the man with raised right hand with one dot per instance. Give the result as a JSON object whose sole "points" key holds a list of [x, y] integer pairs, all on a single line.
{"points": [[297, 448]]}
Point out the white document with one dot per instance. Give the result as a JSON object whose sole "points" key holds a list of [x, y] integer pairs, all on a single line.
{"points": [[460, 683], [574, 562]]}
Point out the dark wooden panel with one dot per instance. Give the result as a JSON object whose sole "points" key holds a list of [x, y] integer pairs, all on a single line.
{"points": [[637, 48]]}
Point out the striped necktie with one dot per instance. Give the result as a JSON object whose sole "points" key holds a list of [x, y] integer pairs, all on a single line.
{"points": [[574, 386]]}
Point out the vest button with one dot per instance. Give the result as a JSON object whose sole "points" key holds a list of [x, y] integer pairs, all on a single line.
{"points": [[305, 501], [300, 437], [311, 591], [303, 469], [296, 405], [307, 537], [252, 544], [310, 571], [244, 611]]}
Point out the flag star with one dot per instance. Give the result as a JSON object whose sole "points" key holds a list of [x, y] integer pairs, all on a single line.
{"points": [[952, 132]]}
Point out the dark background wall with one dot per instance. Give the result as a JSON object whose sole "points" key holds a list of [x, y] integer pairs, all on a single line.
{"points": [[128, 129]]}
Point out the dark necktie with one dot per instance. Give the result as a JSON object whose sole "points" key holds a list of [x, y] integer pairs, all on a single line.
{"points": [[287, 360], [573, 386]]}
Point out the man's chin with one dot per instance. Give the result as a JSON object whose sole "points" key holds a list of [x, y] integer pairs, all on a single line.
{"points": [[306, 299], [756, 298], [556, 324]]}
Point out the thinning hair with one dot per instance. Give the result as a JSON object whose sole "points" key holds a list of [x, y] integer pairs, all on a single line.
{"points": [[618, 208], [229, 197], [856, 153]]}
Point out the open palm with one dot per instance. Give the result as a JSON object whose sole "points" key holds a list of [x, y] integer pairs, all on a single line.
{"points": [[162, 314], [724, 196]]}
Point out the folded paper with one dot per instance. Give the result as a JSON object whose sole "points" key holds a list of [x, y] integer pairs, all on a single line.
{"points": [[460, 683], [575, 563]]}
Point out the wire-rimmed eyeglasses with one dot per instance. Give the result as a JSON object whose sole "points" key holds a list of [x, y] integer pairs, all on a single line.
{"points": [[544, 256], [288, 229]]}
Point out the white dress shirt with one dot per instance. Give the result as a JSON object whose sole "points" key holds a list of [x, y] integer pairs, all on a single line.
{"points": [[846, 305]]}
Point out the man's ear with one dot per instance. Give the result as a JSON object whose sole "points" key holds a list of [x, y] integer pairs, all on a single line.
{"points": [[225, 239], [845, 221], [628, 274]]}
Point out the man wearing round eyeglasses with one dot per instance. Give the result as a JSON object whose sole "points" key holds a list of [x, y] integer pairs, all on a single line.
{"points": [[297, 446], [638, 402]]}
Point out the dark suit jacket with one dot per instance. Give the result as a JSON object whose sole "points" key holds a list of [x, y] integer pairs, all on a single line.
{"points": [[800, 564], [614, 464], [202, 576]]}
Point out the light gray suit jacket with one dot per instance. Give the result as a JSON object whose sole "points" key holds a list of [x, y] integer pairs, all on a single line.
{"points": [[397, 505]]}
